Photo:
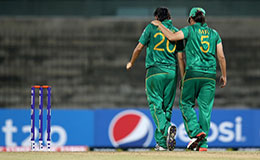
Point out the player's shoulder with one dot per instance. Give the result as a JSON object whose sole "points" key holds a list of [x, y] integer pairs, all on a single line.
{"points": [[148, 28], [214, 31], [187, 27], [150, 25], [211, 29]]}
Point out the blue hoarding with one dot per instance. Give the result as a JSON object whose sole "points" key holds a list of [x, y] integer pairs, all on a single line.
{"points": [[229, 128], [127, 127], [123, 128], [68, 127]]}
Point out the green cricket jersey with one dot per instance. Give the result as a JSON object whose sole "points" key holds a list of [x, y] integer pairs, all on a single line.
{"points": [[200, 48], [160, 51]]}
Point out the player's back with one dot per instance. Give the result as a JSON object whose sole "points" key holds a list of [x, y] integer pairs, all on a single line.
{"points": [[160, 51], [201, 48]]}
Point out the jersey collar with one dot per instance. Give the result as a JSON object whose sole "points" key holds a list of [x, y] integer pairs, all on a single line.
{"points": [[199, 24], [167, 21]]}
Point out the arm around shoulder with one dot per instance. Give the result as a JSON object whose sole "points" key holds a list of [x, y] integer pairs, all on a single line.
{"points": [[170, 35]]}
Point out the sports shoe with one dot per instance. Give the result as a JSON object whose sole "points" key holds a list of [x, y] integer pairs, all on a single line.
{"points": [[170, 141], [193, 144], [203, 149], [159, 148]]}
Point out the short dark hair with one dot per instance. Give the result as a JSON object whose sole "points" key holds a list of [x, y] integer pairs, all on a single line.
{"points": [[162, 13], [199, 17]]}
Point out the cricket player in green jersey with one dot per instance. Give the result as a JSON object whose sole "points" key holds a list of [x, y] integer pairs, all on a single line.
{"points": [[203, 44], [161, 76]]}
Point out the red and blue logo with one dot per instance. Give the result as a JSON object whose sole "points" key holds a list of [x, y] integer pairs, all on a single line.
{"points": [[131, 128]]}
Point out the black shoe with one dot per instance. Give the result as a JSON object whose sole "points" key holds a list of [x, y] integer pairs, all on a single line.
{"points": [[170, 141]]}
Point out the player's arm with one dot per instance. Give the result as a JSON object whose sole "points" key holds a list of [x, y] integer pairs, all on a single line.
{"points": [[181, 63], [222, 64], [135, 54], [170, 35]]}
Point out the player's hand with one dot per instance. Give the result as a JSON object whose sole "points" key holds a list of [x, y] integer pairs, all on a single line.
{"points": [[223, 81], [156, 22], [129, 65]]}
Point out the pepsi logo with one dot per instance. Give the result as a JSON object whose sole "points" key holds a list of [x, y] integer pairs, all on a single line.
{"points": [[130, 128]]}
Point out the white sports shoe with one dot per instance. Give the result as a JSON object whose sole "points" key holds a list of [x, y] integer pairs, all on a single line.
{"points": [[159, 148], [193, 144]]}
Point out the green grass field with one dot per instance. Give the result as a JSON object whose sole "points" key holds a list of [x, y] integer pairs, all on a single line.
{"points": [[151, 155]]}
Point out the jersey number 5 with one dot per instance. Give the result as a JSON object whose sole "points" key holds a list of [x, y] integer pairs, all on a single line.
{"points": [[159, 43], [204, 42]]}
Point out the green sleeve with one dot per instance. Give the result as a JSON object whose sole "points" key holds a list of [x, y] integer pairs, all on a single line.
{"points": [[145, 37], [186, 31], [218, 39]]}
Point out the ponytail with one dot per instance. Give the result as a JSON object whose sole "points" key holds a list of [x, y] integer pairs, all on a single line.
{"points": [[199, 17]]}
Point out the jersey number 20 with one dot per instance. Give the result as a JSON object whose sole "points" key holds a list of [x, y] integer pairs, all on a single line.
{"points": [[156, 47]]}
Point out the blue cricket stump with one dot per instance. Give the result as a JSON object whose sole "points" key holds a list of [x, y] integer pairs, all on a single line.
{"points": [[49, 119], [40, 118], [41, 88], [32, 119]]}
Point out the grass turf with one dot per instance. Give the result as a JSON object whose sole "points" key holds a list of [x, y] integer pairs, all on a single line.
{"points": [[175, 155]]}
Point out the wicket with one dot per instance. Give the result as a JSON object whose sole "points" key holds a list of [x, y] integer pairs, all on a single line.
{"points": [[41, 88]]}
